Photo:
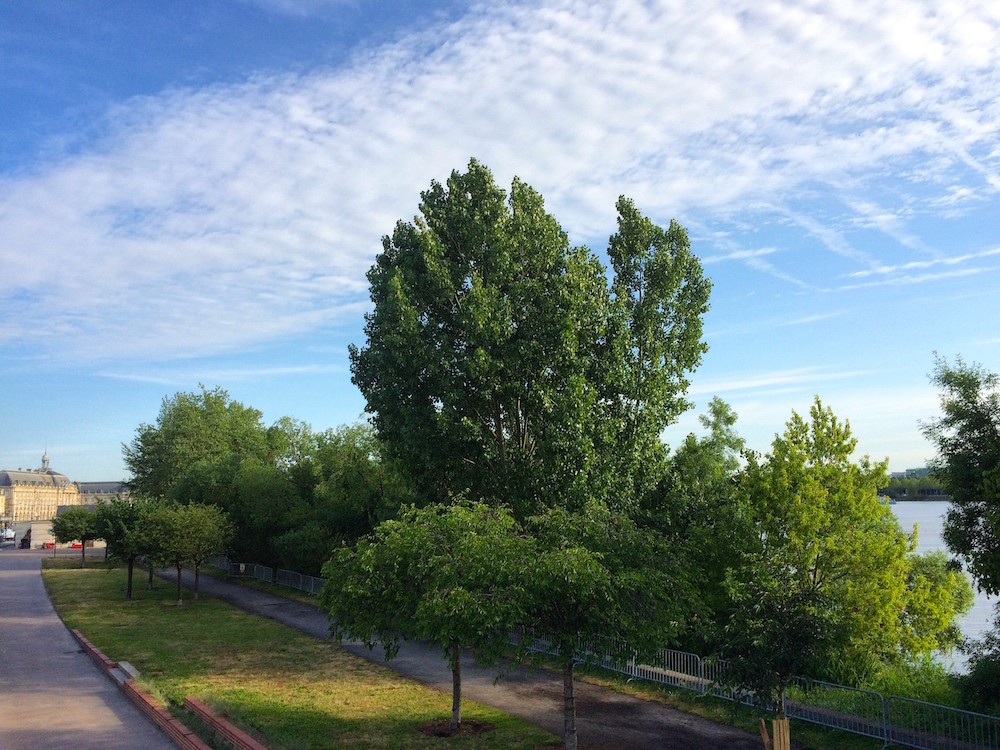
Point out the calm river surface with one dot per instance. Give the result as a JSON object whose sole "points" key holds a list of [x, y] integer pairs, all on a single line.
{"points": [[929, 518]]}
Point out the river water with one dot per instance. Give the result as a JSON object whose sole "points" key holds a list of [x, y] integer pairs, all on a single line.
{"points": [[929, 518]]}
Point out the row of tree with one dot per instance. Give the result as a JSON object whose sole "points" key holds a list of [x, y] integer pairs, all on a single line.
{"points": [[514, 476], [505, 366], [292, 494], [163, 534], [915, 488]]}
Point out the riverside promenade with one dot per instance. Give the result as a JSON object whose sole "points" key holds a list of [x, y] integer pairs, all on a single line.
{"points": [[51, 694], [606, 720]]}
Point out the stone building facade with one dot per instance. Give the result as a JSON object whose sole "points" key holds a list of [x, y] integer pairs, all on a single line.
{"points": [[35, 494]]}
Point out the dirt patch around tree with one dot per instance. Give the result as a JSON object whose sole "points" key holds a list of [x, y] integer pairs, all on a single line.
{"points": [[442, 728]]}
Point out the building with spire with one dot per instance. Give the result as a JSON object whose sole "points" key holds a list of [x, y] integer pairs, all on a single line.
{"points": [[36, 494]]}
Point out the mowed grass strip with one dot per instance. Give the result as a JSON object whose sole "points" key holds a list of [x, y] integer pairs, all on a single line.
{"points": [[290, 689]]}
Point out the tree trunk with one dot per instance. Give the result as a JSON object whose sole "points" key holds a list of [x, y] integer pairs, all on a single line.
{"points": [[456, 686], [149, 584], [180, 601], [197, 579], [83, 553], [569, 706], [128, 586]]}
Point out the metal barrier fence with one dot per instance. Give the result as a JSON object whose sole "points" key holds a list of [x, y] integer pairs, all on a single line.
{"points": [[894, 720], [288, 578], [929, 726]]}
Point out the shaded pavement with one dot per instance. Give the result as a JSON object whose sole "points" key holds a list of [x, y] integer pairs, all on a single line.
{"points": [[51, 694], [606, 720]]}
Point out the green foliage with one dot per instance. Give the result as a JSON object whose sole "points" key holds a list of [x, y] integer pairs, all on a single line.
{"points": [[500, 361], [915, 488], [779, 629], [451, 574], [186, 535], [600, 585], [937, 593], [443, 573], [206, 448], [967, 438], [123, 523], [980, 687], [699, 510], [821, 533], [76, 525], [924, 679], [190, 428], [598, 573]]}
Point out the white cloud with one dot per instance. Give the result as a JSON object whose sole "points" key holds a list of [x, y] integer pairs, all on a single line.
{"points": [[914, 265], [301, 8], [235, 215]]}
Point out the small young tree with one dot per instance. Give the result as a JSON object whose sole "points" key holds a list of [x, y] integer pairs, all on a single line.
{"points": [[600, 585], [451, 574], [124, 526], [831, 587], [205, 531], [76, 524]]}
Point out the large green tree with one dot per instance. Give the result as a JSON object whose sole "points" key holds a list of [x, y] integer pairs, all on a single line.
{"points": [[201, 427], [846, 568], [502, 361], [967, 438]]}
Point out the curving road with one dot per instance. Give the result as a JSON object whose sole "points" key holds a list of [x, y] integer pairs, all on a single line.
{"points": [[51, 694]]}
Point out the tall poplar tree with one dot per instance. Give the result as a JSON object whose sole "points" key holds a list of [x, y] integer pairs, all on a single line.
{"points": [[502, 362]]}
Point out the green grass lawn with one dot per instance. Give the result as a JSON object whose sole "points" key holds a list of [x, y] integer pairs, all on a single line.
{"points": [[291, 690]]}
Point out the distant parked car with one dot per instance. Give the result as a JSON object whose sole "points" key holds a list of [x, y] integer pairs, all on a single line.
{"points": [[8, 534]]}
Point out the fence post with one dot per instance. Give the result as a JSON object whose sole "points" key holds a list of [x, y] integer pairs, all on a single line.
{"points": [[782, 739]]}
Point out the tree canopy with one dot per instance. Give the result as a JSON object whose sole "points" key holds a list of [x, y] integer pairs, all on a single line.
{"points": [[450, 574], [205, 426], [849, 580], [76, 524], [967, 438], [501, 360]]}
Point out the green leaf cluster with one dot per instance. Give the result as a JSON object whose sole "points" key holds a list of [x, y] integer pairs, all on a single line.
{"points": [[967, 438], [830, 563], [501, 361]]}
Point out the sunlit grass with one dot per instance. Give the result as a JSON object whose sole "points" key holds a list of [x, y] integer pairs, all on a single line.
{"points": [[292, 690]]}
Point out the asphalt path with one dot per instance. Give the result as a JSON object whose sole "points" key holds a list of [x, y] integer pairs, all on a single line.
{"points": [[606, 720], [51, 694]]}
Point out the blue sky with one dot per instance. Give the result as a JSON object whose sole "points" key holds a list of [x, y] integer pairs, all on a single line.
{"points": [[191, 192]]}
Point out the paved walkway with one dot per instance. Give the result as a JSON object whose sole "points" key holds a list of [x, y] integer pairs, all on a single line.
{"points": [[606, 720], [51, 694]]}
